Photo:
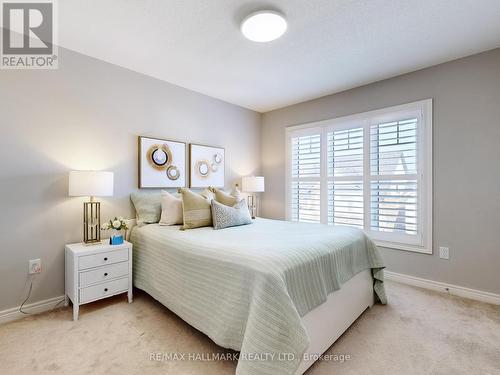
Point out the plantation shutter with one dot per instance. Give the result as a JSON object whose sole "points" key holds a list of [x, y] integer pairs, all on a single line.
{"points": [[305, 183], [394, 177], [345, 177]]}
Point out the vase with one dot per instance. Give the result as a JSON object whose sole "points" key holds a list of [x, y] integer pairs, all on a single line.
{"points": [[116, 237]]}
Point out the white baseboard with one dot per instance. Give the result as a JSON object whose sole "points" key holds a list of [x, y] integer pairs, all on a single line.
{"points": [[460, 291], [32, 308], [437, 286]]}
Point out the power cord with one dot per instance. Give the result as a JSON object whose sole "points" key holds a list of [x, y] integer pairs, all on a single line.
{"points": [[28, 297], [58, 303]]}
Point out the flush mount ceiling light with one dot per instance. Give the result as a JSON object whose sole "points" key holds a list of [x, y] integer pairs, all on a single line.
{"points": [[263, 26]]}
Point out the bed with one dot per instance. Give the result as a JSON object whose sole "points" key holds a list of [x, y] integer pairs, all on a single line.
{"points": [[272, 291]]}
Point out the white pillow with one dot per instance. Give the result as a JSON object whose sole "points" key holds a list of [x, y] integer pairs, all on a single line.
{"points": [[171, 209]]}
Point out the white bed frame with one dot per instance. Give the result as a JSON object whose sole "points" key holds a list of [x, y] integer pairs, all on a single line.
{"points": [[327, 322]]}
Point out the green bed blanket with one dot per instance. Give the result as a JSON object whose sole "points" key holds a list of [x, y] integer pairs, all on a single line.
{"points": [[247, 287]]}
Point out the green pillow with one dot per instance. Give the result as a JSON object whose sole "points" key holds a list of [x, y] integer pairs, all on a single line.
{"points": [[196, 209], [147, 207], [226, 199], [224, 216]]}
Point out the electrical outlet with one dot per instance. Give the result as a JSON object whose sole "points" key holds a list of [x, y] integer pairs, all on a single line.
{"points": [[35, 266], [444, 252]]}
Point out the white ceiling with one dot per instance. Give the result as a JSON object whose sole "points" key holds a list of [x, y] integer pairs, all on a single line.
{"points": [[330, 45]]}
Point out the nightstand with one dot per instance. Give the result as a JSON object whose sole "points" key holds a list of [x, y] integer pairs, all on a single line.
{"points": [[97, 271]]}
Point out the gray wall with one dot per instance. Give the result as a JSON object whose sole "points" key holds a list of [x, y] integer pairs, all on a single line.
{"points": [[466, 148], [87, 115]]}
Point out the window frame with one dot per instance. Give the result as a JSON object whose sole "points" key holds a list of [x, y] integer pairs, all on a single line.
{"points": [[422, 109]]}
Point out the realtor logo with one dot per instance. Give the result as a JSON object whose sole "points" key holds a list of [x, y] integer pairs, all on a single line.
{"points": [[28, 35]]}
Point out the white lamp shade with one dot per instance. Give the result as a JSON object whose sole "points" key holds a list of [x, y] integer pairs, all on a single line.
{"points": [[90, 184], [252, 184]]}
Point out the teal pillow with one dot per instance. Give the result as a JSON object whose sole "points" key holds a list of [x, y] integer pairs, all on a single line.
{"points": [[226, 216], [147, 207]]}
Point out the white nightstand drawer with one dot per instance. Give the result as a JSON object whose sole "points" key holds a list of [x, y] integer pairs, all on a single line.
{"points": [[102, 259], [103, 274], [106, 289]]}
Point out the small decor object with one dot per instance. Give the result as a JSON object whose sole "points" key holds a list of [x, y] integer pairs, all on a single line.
{"points": [[116, 225], [162, 163], [91, 184], [206, 166], [235, 192], [253, 184]]}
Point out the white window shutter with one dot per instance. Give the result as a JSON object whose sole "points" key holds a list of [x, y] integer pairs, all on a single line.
{"points": [[305, 192], [345, 177], [394, 177]]}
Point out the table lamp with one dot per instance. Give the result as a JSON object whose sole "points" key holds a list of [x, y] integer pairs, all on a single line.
{"points": [[91, 184], [252, 184]]}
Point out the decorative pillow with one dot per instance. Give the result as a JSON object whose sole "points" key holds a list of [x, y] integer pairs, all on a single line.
{"points": [[196, 208], [226, 199], [208, 194], [171, 209], [147, 207], [224, 216]]}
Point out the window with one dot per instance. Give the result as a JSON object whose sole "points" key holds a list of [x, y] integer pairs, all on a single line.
{"points": [[372, 171]]}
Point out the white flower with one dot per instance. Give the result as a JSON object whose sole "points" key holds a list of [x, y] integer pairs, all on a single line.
{"points": [[120, 218], [117, 224]]}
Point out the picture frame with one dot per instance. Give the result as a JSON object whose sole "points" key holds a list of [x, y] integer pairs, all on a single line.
{"points": [[162, 163], [206, 166]]}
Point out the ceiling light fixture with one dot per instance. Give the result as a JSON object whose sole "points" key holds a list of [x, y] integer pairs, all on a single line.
{"points": [[263, 26]]}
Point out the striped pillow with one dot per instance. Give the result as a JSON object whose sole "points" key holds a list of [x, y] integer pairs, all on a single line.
{"points": [[196, 210]]}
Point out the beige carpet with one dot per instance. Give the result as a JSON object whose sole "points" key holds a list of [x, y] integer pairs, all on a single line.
{"points": [[419, 332]]}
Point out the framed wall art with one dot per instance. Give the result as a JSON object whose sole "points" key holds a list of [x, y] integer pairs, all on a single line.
{"points": [[207, 166], [162, 163]]}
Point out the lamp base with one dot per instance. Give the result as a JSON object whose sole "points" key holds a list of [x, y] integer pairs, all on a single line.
{"points": [[92, 243], [252, 205], [92, 223]]}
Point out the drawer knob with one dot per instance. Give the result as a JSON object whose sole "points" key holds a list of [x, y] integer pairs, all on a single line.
{"points": [[105, 259], [105, 289], [105, 274]]}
